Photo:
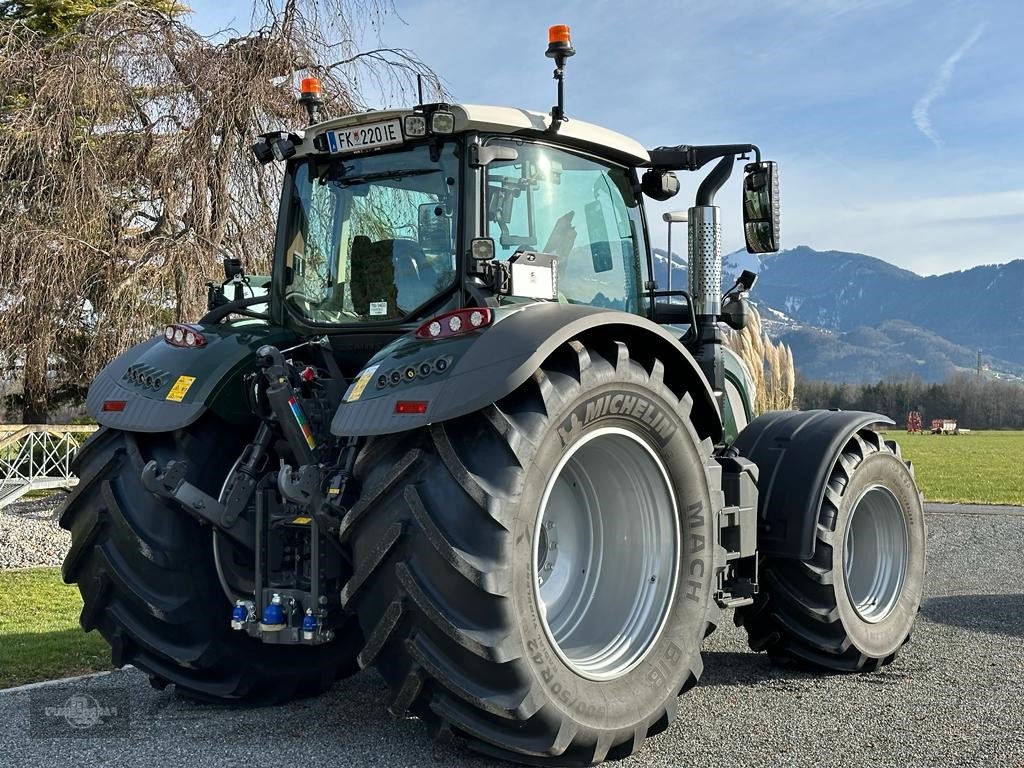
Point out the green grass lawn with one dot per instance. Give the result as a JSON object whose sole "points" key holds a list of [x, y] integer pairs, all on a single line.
{"points": [[979, 468], [39, 634]]}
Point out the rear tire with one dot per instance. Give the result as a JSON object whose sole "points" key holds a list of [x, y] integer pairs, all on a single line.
{"points": [[447, 549], [149, 584], [852, 605]]}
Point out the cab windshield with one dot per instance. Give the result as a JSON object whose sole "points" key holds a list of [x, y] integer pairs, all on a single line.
{"points": [[372, 237]]}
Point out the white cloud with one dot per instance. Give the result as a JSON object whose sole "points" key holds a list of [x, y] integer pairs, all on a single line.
{"points": [[938, 86]]}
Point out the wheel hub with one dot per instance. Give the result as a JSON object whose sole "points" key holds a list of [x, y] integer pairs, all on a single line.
{"points": [[547, 553], [875, 554], [605, 553]]}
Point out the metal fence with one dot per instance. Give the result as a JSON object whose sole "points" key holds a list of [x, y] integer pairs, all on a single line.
{"points": [[35, 457]]}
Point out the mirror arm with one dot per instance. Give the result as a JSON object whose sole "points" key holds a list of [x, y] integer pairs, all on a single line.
{"points": [[692, 158], [714, 181]]}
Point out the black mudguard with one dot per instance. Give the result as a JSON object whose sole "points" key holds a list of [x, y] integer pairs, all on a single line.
{"points": [[482, 367], [208, 377], [795, 452]]}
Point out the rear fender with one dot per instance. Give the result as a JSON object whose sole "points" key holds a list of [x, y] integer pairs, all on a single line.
{"points": [[795, 452], [482, 367], [185, 383]]}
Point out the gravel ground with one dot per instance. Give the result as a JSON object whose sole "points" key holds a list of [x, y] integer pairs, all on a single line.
{"points": [[29, 534], [953, 697]]}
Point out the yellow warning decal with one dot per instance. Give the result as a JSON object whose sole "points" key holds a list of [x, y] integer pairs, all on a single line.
{"points": [[356, 390], [301, 521], [177, 393]]}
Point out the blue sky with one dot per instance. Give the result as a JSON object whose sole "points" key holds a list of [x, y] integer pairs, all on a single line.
{"points": [[896, 123]]}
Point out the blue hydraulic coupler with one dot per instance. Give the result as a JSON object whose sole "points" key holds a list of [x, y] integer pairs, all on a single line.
{"points": [[239, 615], [273, 615], [309, 625]]}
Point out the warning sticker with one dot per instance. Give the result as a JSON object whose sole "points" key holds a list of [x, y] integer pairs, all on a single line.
{"points": [[378, 308], [180, 388], [356, 390]]}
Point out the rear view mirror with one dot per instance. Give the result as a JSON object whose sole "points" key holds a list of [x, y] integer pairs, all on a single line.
{"points": [[761, 207]]}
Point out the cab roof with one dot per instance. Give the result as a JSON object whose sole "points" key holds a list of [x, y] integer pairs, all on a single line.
{"points": [[514, 121]]}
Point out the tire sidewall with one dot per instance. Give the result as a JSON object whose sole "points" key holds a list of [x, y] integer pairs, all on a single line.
{"points": [[640, 694], [883, 638]]}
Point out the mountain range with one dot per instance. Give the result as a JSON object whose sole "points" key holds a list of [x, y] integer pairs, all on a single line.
{"points": [[855, 318]]}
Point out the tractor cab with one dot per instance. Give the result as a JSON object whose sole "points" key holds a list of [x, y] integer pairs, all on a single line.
{"points": [[390, 218]]}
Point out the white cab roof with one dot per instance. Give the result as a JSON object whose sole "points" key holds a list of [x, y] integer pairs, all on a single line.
{"points": [[510, 120]]}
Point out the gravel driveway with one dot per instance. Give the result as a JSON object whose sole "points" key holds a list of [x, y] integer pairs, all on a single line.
{"points": [[955, 696], [30, 536]]}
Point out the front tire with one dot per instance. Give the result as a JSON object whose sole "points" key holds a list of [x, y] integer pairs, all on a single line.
{"points": [[474, 622], [150, 586], [852, 606]]}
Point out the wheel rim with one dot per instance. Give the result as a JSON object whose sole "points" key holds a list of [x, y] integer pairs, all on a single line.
{"points": [[875, 553], [605, 553]]}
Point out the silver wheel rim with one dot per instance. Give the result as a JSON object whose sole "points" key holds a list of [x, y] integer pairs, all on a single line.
{"points": [[875, 553], [605, 553]]}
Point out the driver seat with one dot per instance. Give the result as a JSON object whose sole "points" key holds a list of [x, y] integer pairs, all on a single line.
{"points": [[373, 276]]}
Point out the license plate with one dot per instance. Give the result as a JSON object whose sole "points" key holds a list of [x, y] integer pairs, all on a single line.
{"points": [[365, 136]]}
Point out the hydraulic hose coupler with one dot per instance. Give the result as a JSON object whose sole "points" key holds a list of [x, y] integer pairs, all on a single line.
{"points": [[705, 256]]}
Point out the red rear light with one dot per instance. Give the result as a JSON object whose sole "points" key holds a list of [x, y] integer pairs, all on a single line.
{"points": [[455, 323], [411, 406], [179, 335], [114, 405]]}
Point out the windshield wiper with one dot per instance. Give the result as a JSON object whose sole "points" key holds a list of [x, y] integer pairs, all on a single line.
{"points": [[348, 181]]}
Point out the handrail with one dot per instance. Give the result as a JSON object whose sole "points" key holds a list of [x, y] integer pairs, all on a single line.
{"points": [[37, 457]]}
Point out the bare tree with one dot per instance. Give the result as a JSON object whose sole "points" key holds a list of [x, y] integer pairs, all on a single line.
{"points": [[126, 170]]}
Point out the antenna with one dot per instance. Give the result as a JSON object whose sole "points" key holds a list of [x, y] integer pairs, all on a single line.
{"points": [[559, 48], [419, 86]]}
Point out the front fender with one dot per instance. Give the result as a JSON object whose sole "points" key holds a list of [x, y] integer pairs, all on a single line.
{"points": [[182, 383], [482, 367], [795, 452]]}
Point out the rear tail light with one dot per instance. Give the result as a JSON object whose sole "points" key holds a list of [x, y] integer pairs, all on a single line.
{"points": [[455, 323], [411, 406], [178, 335], [115, 406]]}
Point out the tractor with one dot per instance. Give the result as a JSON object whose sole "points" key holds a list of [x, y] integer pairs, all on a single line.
{"points": [[462, 435]]}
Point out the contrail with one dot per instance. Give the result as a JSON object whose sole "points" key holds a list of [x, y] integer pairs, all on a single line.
{"points": [[940, 84]]}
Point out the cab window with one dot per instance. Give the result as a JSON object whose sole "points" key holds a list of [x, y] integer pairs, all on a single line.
{"points": [[373, 236], [583, 212]]}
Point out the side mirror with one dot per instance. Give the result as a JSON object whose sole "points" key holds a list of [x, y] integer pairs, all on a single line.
{"points": [[761, 207]]}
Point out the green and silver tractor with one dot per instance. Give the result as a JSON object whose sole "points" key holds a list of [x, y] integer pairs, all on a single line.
{"points": [[463, 435]]}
